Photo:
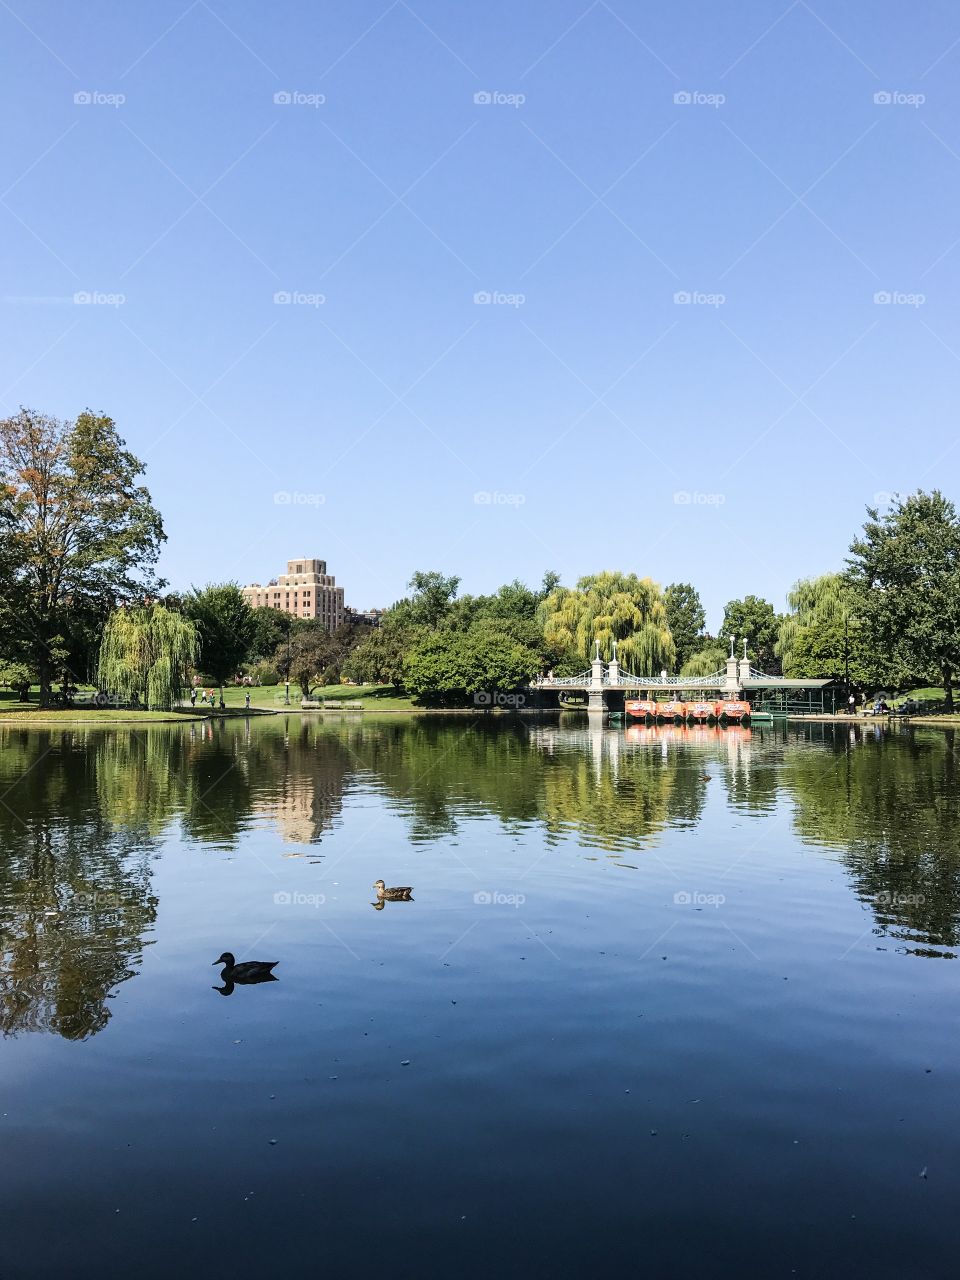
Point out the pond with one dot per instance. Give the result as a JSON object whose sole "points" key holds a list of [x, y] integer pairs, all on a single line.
{"points": [[671, 1002]]}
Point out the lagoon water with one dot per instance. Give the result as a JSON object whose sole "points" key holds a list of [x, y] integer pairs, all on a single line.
{"points": [[666, 1002]]}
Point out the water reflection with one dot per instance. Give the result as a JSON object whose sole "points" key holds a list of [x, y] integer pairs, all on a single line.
{"points": [[83, 811]]}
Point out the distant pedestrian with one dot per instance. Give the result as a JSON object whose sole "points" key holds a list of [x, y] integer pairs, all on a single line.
{"points": [[193, 697], [222, 703], [247, 699], [852, 704]]}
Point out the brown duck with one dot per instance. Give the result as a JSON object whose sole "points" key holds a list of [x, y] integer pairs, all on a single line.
{"points": [[402, 893]]}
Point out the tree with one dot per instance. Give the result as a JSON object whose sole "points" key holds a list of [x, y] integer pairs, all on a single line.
{"points": [[145, 653], [312, 653], [269, 628], [17, 676], [608, 607], [448, 666], [822, 635], [379, 658], [705, 661], [432, 597], [905, 572], [686, 619], [754, 620], [78, 535], [226, 627]]}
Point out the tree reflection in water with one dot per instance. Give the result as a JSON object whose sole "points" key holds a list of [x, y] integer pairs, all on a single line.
{"points": [[83, 810]]}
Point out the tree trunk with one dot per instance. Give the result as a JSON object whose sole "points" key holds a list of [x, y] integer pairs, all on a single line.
{"points": [[948, 689]]}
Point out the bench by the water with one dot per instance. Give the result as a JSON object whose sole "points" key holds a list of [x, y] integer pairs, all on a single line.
{"points": [[312, 704]]}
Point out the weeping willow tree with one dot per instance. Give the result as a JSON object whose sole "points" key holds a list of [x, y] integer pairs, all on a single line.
{"points": [[145, 653], [706, 662], [612, 607], [820, 636]]}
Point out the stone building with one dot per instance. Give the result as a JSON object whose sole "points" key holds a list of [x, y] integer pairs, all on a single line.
{"points": [[306, 590]]}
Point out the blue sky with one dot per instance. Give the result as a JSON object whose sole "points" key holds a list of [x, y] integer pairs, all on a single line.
{"points": [[627, 157]]}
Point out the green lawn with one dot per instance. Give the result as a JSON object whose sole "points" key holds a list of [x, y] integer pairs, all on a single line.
{"points": [[13, 712], [372, 697]]}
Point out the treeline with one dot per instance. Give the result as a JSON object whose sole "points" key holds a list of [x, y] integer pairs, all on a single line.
{"points": [[80, 602]]}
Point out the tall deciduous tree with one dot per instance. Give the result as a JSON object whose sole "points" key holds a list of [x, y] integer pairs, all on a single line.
{"points": [[608, 607], [146, 652], [78, 535], [754, 619], [686, 619], [226, 628], [905, 570]]}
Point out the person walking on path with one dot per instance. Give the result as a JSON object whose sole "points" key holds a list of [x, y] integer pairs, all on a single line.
{"points": [[852, 704], [246, 699], [193, 697]]}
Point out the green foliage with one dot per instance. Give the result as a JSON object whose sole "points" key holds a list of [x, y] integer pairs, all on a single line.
{"points": [[263, 673], [268, 630], [145, 653], [226, 626], [705, 662], [905, 573], [78, 535], [447, 667], [17, 676], [754, 619], [312, 653], [608, 607], [686, 619], [378, 659]]}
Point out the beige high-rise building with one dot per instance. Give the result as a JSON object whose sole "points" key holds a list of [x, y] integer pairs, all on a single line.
{"points": [[306, 590]]}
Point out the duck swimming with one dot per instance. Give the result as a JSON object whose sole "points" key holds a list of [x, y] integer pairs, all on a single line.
{"points": [[248, 971], [402, 893]]}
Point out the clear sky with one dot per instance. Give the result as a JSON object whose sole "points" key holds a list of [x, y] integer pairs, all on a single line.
{"points": [[582, 196]]}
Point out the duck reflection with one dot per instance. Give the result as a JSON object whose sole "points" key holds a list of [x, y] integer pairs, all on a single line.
{"points": [[401, 893]]}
